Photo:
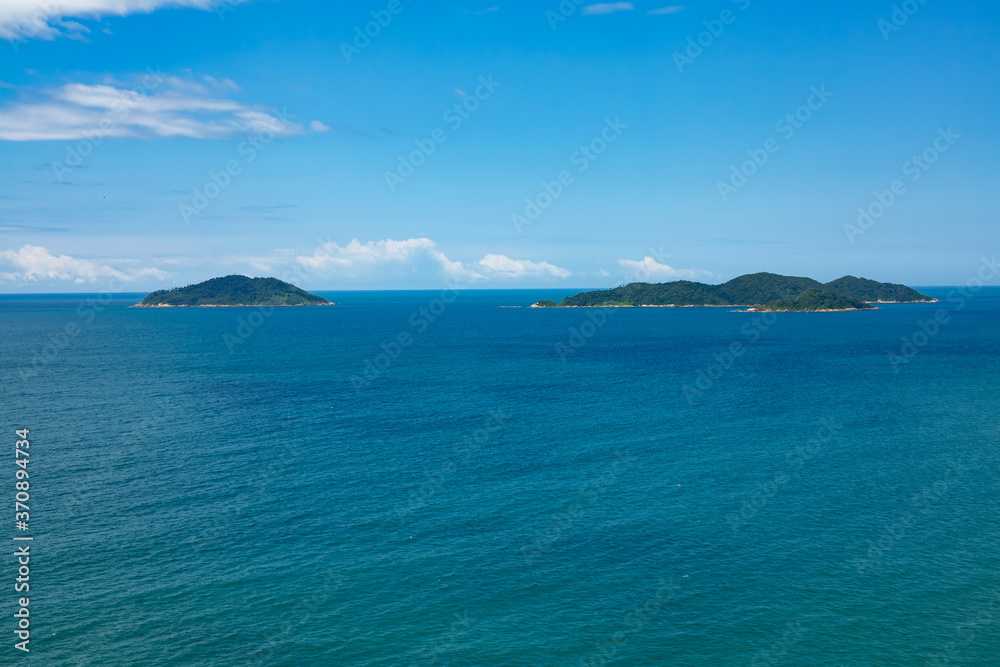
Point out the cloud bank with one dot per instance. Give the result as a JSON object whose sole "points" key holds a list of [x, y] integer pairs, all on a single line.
{"points": [[382, 264], [35, 263], [47, 19], [652, 271], [419, 257]]}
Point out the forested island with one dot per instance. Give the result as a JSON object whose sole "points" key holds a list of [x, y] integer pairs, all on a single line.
{"points": [[234, 291], [816, 301], [760, 291]]}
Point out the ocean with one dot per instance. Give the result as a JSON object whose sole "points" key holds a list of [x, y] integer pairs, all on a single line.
{"points": [[410, 480]]}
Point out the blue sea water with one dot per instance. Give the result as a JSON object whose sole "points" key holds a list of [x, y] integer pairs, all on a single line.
{"points": [[507, 486]]}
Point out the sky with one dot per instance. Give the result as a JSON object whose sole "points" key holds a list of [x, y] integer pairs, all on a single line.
{"points": [[405, 144]]}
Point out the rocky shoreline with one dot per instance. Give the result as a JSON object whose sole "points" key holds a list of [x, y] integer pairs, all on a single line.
{"points": [[749, 309], [232, 305]]}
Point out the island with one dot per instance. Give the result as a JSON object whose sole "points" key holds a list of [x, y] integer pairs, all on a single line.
{"points": [[758, 291], [233, 291], [815, 300]]}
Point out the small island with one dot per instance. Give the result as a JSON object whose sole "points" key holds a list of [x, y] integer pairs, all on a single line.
{"points": [[814, 301], [233, 292], [758, 292]]}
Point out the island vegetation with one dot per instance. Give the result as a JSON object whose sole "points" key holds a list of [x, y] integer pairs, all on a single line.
{"points": [[872, 291], [815, 300], [774, 291], [234, 291]]}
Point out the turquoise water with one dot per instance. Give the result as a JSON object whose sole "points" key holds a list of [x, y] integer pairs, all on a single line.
{"points": [[510, 487]]}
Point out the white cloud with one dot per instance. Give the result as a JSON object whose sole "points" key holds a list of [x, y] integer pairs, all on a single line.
{"points": [[43, 19], [317, 126], [221, 83], [34, 263], [419, 258], [357, 259], [653, 270], [505, 268], [160, 107], [666, 10], [356, 254], [607, 8]]}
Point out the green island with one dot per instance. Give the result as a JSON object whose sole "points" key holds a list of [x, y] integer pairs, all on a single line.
{"points": [[758, 291], [815, 300], [233, 291]]}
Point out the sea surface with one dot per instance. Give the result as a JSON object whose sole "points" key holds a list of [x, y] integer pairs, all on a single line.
{"points": [[403, 481]]}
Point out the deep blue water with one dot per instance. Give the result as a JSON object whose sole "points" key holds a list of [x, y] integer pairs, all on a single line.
{"points": [[512, 487]]}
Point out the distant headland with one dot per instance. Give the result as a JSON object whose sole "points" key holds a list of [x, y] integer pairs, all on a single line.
{"points": [[233, 291], [757, 292]]}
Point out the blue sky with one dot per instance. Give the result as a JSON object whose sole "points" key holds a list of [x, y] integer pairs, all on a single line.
{"points": [[591, 144]]}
